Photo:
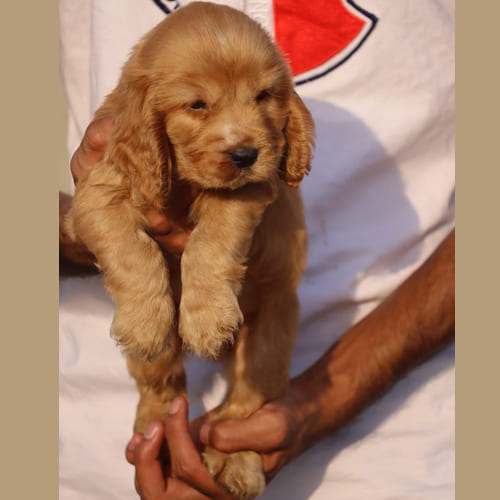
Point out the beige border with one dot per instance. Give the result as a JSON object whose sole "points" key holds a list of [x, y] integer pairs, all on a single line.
{"points": [[32, 133], [478, 250], [32, 144]]}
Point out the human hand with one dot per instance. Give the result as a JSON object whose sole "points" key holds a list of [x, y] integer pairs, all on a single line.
{"points": [[278, 431], [74, 258], [170, 236], [92, 148], [183, 476]]}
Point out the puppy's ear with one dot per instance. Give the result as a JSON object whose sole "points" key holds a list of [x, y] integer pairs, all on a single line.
{"points": [[139, 145], [299, 134]]}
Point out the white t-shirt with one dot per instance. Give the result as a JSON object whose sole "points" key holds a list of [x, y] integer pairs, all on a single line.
{"points": [[378, 77]]}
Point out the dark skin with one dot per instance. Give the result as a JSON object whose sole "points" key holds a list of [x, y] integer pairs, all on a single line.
{"points": [[414, 322]]}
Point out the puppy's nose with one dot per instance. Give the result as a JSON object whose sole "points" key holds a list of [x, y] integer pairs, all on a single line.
{"points": [[243, 157]]}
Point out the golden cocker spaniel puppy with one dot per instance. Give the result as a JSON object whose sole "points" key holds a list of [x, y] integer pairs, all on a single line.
{"points": [[205, 117]]}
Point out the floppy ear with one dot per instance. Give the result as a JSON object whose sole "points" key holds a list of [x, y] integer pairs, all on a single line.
{"points": [[299, 132], [139, 146]]}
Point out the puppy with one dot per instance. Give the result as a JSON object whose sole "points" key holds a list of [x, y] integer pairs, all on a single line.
{"points": [[209, 130]]}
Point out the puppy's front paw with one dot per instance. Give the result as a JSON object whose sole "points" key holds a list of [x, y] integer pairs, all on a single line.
{"points": [[240, 473], [209, 320], [144, 330]]}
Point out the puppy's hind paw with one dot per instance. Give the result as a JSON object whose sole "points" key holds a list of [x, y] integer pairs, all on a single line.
{"points": [[240, 473], [214, 461]]}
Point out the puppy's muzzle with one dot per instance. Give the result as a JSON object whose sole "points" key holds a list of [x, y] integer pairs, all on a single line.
{"points": [[243, 157]]}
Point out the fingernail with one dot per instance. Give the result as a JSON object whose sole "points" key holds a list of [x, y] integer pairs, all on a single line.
{"points": [[151, 431], [174, 407], [205, 433]]}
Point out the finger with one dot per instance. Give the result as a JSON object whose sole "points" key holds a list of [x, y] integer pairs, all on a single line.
{"points": [[264, 431], [195, 427], [179, 490], [272, 463], [159, 223], [96, 138], [92, 148], [171, 237], [131, 446], [185, 459], [150, 481], [173, 243]]}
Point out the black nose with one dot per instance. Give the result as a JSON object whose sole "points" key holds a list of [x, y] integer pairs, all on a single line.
{"points": [[243, 157]]}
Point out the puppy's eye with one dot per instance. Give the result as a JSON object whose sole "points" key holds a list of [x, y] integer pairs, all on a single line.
{"points": [[262, 96], [198, 105]]}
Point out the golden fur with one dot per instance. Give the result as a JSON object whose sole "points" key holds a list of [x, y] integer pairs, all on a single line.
{"points": [[200, 93]]}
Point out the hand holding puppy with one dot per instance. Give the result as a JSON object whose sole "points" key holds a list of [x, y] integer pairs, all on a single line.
{"points": [[184, 475], [170, 236]]}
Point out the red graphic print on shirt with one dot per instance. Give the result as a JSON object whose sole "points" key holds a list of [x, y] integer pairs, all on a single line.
{"points": [[319, 35]]}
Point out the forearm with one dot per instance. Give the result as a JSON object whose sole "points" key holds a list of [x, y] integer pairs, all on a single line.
{"points": [[410, 325]]}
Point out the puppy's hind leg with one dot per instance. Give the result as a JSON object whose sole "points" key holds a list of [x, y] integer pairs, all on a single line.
{"points": [[259, 372], [158, 383], [135, 272]]}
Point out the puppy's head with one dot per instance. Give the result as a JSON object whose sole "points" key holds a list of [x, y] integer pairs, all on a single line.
{"points": [[220, 98]]}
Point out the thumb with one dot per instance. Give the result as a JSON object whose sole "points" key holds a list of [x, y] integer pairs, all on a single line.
{"points": [[184, 455], [96, 139], [186, 462], [92, 148], [148, 466], [264, 431]]}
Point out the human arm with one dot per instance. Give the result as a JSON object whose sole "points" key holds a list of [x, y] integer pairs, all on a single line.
{"points": [[405, 329], [408, 327]]}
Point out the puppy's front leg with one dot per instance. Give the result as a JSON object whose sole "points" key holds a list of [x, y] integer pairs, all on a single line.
{"points": [[213, 266], [106, 220]]}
